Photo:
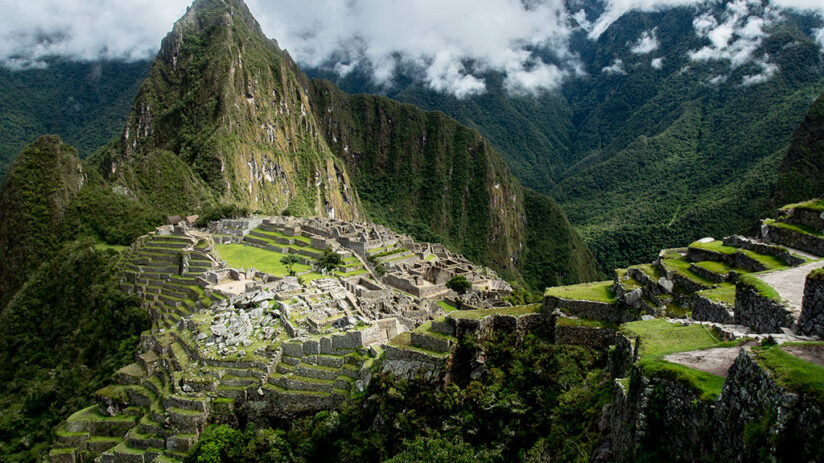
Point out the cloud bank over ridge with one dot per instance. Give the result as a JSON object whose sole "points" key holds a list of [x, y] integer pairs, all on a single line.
{"points": [[450, 45]]}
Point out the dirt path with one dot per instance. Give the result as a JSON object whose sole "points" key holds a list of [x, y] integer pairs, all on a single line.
{"points": [[790, 283], [810, 353], [716, 361]]}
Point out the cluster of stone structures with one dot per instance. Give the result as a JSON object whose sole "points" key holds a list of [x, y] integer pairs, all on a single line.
{"points": [[228, 342]]}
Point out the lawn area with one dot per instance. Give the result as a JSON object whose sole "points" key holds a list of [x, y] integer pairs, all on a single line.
{"points": [[770, 262], [795, 374], [724, 293], [714, 246], [447, 306], [759, 286], [660, 338], [479, 314], [600, 291], [243, 257], [717, 268]]}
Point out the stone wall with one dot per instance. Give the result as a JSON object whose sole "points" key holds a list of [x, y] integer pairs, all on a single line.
{"points": [[597, 338], [811, 322], [801, 241], [707, 310], [759, 312], [660, 415], [590, 309], [750, 396], [806, 217], [739, 241]]}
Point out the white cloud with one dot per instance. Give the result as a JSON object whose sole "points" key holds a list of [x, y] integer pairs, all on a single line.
{"points": [[736, 36], [657, 63], [451, 43], [718, 80], [646, 44], [819, 36], [33, 30], [767, 70], [617, 67]]}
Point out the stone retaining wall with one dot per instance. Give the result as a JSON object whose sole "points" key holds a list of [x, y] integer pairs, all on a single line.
{"points": [[738, 241], [707, 310], [759, 312], [804, 217], [811, 322], [802, 241], [589, 309], [597, 338]]}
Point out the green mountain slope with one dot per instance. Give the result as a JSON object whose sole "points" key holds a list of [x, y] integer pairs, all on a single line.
{"points": [[33, 202], [802, 169], [85, 103], [224, 116], [424, 173], [647, 156]]}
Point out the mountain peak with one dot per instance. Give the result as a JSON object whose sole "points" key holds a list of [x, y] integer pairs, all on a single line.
{"points": [[234, 108]]}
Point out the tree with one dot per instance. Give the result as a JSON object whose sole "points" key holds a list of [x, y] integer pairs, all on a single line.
{"points": [[289, 261], [459, 284], [329, 261]]}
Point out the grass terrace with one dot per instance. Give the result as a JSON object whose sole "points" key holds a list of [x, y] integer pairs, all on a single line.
{"points": [[302, 239], [600, 291], [447, 306], [243, 257], [791, 372], [796, 228], [660, 338], [760, 287], [585, 323], [479, 314], [816, 205], [681, 266], [724, 293]]}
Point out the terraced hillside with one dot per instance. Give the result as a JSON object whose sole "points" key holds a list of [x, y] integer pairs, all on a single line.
{"points": [[266, 318]]}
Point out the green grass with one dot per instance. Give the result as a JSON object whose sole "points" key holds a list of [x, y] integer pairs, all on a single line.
{"points": [[627, 283], [243, 257], [650, 270], [789, 371], [479, 314], [681, 266], [796, 228], [770, 262], [600, 291], [712, 266], [447, 306], [302, 239], [760, 287], [714, 246], [724, 293], [360, 271], [816, 205], [660, 338]]}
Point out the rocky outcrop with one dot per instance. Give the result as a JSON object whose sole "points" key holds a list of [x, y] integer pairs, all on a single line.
{"points": [[593, 310], [811, 321]]}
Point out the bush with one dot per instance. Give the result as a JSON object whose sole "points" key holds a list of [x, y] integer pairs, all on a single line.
{"points": [[459, 284]]}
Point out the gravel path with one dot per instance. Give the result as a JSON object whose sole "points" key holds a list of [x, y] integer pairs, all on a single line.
{"points": [[790, 283], [716, 361]]}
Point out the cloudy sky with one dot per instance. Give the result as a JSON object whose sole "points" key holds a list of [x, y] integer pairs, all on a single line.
{"points": [[436, 36]]}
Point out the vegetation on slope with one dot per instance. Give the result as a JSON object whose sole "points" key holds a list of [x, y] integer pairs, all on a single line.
{"points": [[535, 401], [85, 103], [61, 338], [802, 169], [425, 174]]}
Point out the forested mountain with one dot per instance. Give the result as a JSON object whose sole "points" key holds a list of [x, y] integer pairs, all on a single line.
{"points": [[85, 103], [649, 144]]}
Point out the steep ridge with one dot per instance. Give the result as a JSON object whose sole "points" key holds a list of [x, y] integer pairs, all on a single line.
{"points": [[425, 173], [33, 201], [802, 169], [224, 116]]}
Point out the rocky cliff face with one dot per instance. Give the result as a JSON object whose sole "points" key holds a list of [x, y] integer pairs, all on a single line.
{"points": [[230, 112], [35, 194]]}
